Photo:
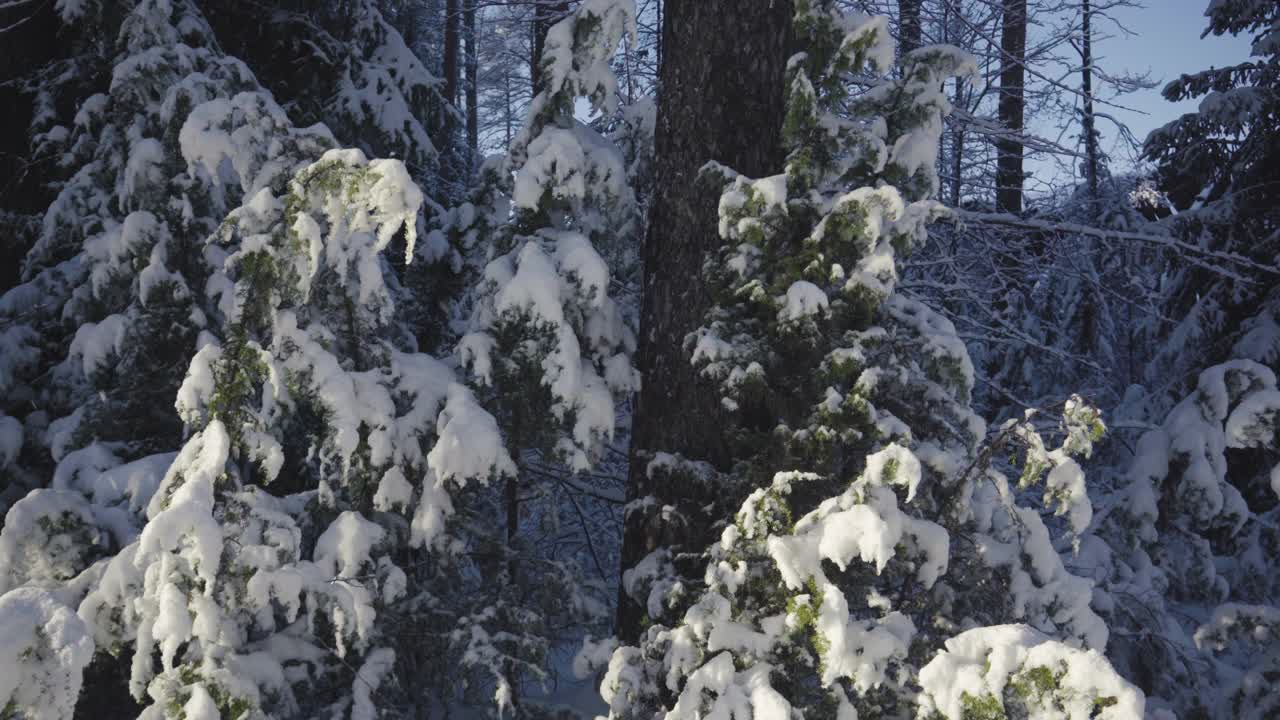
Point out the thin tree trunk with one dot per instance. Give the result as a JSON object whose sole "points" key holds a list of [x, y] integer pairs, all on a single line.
{"points": [[957, 126], [473, 66], [658, 47], [510, 108], [722, 83], [909, 25], [1091, 152], [957, 146], [1011, 107], [626, 65], [451, 17]]}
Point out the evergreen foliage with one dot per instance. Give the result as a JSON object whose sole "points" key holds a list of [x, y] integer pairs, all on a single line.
{"points": [[877, 521]]}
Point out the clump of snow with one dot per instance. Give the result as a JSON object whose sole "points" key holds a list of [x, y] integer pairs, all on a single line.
{"points": [[377, 665], [593, 654], [44, 649], [985, 664], [47, 539], [344, 548], [95, 343], [803, 299], [470, 446]]}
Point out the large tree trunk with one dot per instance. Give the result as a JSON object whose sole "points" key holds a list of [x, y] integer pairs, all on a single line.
{"points": [[909, 25], [722, 100], [1013, 50]]}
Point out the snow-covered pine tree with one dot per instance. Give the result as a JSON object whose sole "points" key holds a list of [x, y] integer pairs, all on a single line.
{"points": [[237, 595], [546, 345], [1219, 166], [98, 333], [358, 443], [259, 576], [870, 570]]}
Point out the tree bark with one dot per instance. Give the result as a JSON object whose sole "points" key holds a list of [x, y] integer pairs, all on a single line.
{"points": [[957, 146], [1091, 152], [909, 25], [957, 126], [451, 22], [722, 99], [473, 67], [1011, 107], [658, 47]]}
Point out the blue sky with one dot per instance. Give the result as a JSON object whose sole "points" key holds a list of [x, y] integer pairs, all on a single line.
{"points": [[1166, 43]]}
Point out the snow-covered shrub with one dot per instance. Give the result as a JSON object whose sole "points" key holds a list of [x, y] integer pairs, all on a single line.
{"points": [[1193, 534], [544, 321]]}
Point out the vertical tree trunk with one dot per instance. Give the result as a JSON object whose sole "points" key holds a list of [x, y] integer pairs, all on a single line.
{"points": [[722, 99], [626, 66], [957, 125], [473, 67], [1013, 47], [508, 116], [451, 18], [909, 25], [1091, 152], [658, 51], [958, 146]]}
